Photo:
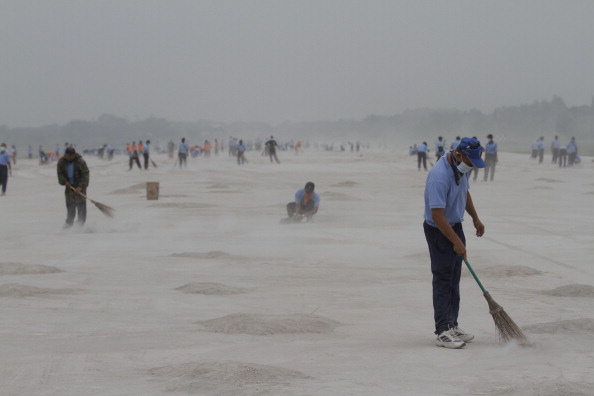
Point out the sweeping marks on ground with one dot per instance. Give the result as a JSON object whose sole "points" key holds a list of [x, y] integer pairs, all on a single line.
{"points": [[10, 268], [346, 183], [337, 196], [210, 288], [133, 189], [504, 271], [17, 290], [574, 290], [213, 254], [547, 388], [573, 326], [262, 324], [225, 378], [548, 180], [182, 205]]}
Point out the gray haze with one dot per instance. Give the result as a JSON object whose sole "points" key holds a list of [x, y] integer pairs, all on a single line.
{"points": [[275, 61]]}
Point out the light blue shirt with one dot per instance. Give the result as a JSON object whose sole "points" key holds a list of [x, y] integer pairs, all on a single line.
{"points": [[422, 148], [491, 148], [4, 158], [183, 148], [555, 144], [299, 197], [441, 191], [572, 147]]}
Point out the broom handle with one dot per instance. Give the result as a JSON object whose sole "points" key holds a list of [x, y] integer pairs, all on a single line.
{"points": [[78, 192], [475, 277]]}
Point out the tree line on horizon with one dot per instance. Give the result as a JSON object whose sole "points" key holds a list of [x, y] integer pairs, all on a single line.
{"points": [[523, 123]]}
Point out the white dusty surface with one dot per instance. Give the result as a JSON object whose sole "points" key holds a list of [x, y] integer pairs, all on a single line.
{"points": [[205, 292]]}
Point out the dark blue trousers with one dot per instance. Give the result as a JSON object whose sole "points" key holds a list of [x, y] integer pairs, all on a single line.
{"points": [[446, 267]]}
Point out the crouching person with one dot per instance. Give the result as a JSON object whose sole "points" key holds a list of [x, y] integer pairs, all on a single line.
{"points": [[305, 205]]}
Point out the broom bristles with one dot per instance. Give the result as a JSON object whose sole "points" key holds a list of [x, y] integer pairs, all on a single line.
{"points": [[106, 210], [507, 329]]}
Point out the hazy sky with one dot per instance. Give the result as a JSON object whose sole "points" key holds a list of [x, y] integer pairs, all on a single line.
{"points": [[282, 60]]}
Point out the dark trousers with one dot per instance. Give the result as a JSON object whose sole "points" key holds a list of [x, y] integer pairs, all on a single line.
{"points": [[562, 158], [183, 159], [134, 159], [422, 157], [446, 267], [555, 155], [3, 177], [292, 206], [490, 163], [272, 154], [146, 159], [72, 208]]}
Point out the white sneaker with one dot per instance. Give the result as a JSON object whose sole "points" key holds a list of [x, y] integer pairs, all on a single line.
{"points": [[462, 335], [448, 339]]}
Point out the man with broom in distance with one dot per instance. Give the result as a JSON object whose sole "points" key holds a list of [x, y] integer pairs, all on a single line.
{"points": [[446, 199], [74, 174]]}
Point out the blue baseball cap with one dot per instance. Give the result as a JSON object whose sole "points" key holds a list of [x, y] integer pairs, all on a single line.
{"points": [[473, 150]]}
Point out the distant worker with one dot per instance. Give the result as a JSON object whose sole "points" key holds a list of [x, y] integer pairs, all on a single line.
{"points": [[555, 149], [572, 150], [5, 167], [422, 155], [241, 153], [439, 148], [455, 143], [74, 174], [490, 158], [271, 149], [540, 149], [146, 153], [182, 153]]}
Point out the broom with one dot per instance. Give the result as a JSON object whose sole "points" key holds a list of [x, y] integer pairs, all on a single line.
{"points": [[106, 210], [506, 327]]}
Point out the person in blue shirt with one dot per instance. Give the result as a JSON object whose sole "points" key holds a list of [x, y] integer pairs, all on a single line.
{"points": [[439, 148], [305, 205], [5, 167], [490, 158], [540, 149], [241, 153], [446, 199], [555, 149], [422, 155], [455, 143], [182, 153], [572, 150]]}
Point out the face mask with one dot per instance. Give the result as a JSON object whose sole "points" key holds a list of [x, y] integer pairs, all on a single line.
{"points": [[463, 168], [2, 148]]}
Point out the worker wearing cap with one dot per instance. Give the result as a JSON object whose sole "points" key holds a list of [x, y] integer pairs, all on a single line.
{"points": [[305, 205], [446, 199]]}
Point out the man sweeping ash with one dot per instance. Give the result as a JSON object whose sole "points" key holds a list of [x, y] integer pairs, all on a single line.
{"points": [[446, 199], [305, 205], [74, 174]]}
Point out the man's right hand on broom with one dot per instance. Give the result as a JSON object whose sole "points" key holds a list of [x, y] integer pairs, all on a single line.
{"points": [[77, 189], [460, 249]]}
